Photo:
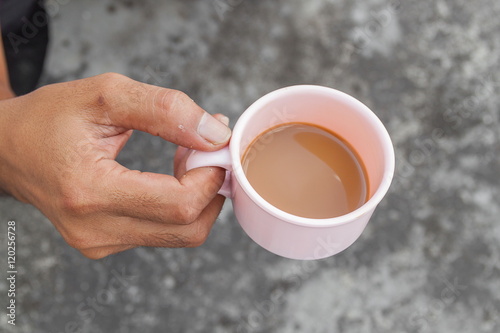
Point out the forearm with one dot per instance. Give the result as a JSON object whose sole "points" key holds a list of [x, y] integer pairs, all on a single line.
{"points": [[5, 90], [5, 93], [4, 142]]}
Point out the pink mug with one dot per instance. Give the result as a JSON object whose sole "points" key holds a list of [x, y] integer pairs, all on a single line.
{"points": [[277, 231]]}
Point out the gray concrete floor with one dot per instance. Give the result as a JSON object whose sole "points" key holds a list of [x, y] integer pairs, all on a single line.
{"points": [[429, 260]]}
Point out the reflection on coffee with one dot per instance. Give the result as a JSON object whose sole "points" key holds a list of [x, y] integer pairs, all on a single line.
{"points": [[306, 171]]}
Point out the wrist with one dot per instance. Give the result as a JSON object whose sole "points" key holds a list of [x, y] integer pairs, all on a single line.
{"points": [[5, 144]]}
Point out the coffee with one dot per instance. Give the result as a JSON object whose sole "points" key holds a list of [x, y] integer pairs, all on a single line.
{"points": [[306, 171]]}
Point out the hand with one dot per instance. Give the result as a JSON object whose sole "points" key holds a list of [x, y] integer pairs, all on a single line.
{"points": [[57, 151]]}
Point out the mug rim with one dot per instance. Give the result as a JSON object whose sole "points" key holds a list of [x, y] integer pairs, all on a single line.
{"points": [[368, 207]]}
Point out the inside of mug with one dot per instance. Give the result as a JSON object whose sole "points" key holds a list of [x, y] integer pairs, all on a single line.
{"points": [[335, 111]]}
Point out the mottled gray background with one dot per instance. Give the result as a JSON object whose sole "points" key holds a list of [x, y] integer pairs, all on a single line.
{"points": [[429, 260]]}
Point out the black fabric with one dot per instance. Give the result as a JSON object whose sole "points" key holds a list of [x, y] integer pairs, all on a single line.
{"points": [[25, 36]]}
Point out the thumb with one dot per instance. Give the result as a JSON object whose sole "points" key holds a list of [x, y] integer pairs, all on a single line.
{"points": [[167, 113]]}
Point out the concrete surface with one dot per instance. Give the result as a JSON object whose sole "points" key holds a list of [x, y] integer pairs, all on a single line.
{"points": [[429, 261]]}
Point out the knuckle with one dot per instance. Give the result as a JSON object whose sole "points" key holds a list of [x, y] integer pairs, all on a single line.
{"points": [[76, 205], [199, 237], [104, 83], [76, 201], [110, 79], [79, 236], [175, 98], [76, 241], [187, 214], [188, 208], [69, 204]]}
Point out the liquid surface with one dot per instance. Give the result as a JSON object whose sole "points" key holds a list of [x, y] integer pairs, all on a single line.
{"points": [[306, 171]]}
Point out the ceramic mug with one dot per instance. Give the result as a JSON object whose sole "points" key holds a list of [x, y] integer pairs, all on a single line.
{"points": [[280, 232]]}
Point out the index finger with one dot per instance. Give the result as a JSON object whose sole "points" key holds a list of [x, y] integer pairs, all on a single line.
{"points": [[170, 114]]}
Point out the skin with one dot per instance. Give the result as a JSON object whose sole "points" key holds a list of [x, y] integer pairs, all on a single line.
{"points": [[5, 91], [58, 147]]}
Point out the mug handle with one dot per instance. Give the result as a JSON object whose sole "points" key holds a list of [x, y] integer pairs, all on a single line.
{"points": [[220, 158]]}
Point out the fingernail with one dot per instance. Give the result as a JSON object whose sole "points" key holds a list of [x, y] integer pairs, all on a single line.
{"points": [[212, 130], [224, 120]]}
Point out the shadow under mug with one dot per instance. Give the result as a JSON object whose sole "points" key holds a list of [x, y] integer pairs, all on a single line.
{"points": [[277, 231]]}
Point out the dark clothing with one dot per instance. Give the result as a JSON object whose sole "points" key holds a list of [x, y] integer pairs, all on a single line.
{"points": [[25, 37]]}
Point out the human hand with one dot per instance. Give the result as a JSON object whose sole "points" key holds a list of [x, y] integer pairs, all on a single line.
{"points": [[58, 146]]}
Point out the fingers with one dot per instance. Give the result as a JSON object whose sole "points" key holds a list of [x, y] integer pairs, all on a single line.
{"points": [[104, 208], [157, 197], [148, 233], [170, 114], [182, 153], [180, 158], [134, 232]]}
